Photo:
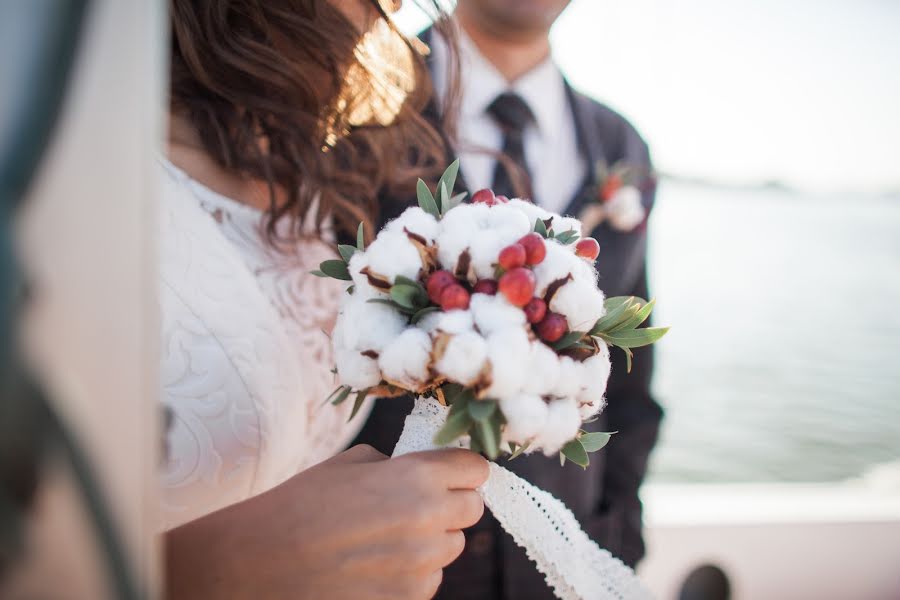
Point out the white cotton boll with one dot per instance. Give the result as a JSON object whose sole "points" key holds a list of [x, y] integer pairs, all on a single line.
{"points": [[505, 217], [405, 360], [625, 209], [484, 251], [417, 221], [366, 325], [526, 416], [580, 302], [542, 371], [455, 322], [569, 384], [594, 377], [392, 254], [564, 224], [354, 369], [361, 287], [495, 313], [557, 264], [463, 358], [508, 351], [563, 422], [532, 211]]}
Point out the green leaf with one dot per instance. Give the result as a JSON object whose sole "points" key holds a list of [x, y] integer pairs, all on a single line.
{"points": [[629, 356], [639, 317], [422, 312], [346, 251], [443, 197], [567, 340], [446, 185], [407, 281], [517, 452], [635, 338], [336, 269], [456, 396], [489, 439], [482, 410], [457, 425], [615, 313], [456, 201], [426, 200], [357, 404], [575, 452], [591, 442], [409, 296], [360, 238], [318, 273], [394, 305], [567, 237], [541, 228], [341, 395]]}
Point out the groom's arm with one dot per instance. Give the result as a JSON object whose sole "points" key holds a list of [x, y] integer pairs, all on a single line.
{"points": [[636, 416]]}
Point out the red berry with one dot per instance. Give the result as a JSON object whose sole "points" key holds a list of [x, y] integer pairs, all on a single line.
{"points": [[512, 257], [436, 283], [502, 199], [517, 285], [454, 296], [552, 328], [485, 196], [535, 251], [485, 286], [587, 248], [535, 310]]}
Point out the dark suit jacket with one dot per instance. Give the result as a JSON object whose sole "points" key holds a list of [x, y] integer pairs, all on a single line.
{"points": [[604, 497]]}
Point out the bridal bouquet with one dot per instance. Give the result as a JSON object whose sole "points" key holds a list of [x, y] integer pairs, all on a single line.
{"points": [[489, 313], [491, 308]]}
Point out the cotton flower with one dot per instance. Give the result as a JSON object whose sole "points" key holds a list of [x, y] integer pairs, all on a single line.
{"points": [[404, 361], [417, 221], [482, 231], [464, 358], [392, 254], [526, 415], [455, 322], [532, 211], [595, 376], [509, 351], [355, 369], [559, 263], [362, 289], [580, 302], [495, 313], [571, 378], [564, 224], [563, 421], [364, 326], [625, 210], [542, 370]]}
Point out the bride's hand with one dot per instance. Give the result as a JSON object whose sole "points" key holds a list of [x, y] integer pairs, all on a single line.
{"points": [[358, 526]]}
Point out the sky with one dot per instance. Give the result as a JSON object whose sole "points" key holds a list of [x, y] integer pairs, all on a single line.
{"points": [[741, 91]]}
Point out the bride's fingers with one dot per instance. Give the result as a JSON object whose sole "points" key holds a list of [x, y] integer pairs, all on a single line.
{"points": [[464, 509], [433, 583], [459, 469]]}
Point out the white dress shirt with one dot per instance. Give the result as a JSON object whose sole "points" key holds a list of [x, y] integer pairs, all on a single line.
{"points": [[551, 147]]}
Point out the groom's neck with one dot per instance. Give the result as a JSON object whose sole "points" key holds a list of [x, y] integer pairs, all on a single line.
{"points": [[513, 53]]}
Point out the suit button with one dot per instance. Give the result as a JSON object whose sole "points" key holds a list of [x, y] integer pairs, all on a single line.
{"points": [[480, 543]]}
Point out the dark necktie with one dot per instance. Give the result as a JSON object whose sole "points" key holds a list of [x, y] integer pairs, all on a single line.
{"points": [[512, 115]]}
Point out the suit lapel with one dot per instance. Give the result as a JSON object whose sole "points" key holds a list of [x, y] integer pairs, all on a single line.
{"points": [[589, 143]]}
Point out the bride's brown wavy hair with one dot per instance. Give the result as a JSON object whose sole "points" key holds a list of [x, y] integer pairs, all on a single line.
{"points": [[261, 80]]}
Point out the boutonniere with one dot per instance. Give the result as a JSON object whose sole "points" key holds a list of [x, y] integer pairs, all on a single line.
{"points": [[616, 197]]}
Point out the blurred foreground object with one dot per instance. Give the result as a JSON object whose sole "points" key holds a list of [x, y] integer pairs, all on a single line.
{"points": [[80, 104]]}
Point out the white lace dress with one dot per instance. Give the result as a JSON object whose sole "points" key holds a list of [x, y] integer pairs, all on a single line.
{"points": [[246, 363]]}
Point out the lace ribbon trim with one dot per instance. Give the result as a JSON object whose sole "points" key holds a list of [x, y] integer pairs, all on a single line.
{"points": [[574, 566]]}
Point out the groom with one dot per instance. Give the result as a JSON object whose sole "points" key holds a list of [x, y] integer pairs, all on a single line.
{"points": [[516, 104]]}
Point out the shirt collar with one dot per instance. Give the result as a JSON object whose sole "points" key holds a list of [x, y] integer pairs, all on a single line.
{"points": [[542, 88]]}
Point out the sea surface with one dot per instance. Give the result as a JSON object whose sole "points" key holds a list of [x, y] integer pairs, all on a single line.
{"points": [[783, 362]]}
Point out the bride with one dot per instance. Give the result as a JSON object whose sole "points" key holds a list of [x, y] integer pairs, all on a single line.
{"points": [[286, 117]]}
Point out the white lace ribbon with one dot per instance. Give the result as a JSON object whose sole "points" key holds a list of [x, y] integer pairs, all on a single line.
{"points": [[573, 564]]}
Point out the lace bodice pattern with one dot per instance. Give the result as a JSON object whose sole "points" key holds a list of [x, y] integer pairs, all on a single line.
{"points": [[246, 362]]}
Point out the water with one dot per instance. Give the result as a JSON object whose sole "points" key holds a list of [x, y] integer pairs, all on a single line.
{"points": [[783, 362]]}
